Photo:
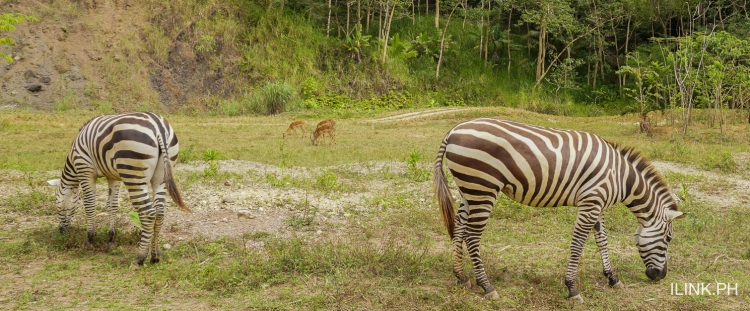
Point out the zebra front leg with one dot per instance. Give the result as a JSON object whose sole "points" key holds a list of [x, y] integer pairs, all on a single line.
{"points": [[159, 195], [458, 245], [601, 241], [587, 217], [88, 187], [473, 235], [113, 204]]}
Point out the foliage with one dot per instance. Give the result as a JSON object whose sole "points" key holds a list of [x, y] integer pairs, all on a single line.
{"points": [[723, 162], [211, 157], [413, 169], [136, 219], [185, 155], [275, 98], [7, 22]]}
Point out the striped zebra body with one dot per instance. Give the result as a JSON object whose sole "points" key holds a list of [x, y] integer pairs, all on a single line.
{"points": [[134, 149], [547, 167]]}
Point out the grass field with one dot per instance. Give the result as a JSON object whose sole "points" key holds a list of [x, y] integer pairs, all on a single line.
{"points": [[383, 249]]}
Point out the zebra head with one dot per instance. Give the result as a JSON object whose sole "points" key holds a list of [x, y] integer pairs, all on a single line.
{"points": [[653, 241], [67, 200]]}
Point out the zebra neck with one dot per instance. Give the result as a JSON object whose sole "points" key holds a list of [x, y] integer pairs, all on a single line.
{"points": [[643, 188]]}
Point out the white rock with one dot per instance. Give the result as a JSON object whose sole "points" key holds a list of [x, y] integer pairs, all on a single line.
{"points": [[227, 199], [224, 220], [166, 246], [319, 231], [243, 213]]}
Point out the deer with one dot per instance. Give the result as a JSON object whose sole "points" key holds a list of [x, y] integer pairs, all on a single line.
{"points": [[329, 121], [321, 130], [294, 126]]}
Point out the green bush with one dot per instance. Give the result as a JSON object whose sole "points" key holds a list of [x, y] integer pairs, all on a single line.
{"points": [[723, 162], [275, 98]]}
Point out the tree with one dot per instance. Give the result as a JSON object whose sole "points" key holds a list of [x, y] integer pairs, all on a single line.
{"points": [[7, 20], [645, 93], [553, 18]]}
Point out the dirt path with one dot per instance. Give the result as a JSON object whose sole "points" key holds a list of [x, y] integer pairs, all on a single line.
{"points": [[717, 189], [417, 114], [215, 202]]}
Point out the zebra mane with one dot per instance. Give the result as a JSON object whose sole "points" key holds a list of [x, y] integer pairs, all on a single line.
{"points": [[643, 165]]}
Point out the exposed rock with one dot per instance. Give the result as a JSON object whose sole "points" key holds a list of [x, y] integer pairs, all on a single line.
{"points": [[227, 183], [243, 213], [166, 246], [36, 87], [227, 199]]}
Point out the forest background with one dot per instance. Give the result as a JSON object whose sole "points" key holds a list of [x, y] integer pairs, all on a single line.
{"points": [[234, 57]]}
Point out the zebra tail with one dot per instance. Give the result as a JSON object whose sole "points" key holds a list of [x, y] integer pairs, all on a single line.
{"points": [[174, 192], [442, 192]]}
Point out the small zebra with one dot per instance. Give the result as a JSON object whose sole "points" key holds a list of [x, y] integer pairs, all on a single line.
{"points": [[545, 167], [133, 148]]}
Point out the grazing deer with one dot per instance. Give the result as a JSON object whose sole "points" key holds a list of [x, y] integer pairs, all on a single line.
{"points": [[332, 122], [321, 130], [294, 126]]}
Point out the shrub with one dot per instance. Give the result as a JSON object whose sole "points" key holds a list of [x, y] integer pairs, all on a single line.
{"points": [[275, 98]]}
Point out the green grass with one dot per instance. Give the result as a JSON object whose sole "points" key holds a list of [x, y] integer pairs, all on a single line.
{"points": [[390, 252]]}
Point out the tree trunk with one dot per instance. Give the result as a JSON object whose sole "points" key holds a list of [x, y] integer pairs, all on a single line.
{"points": [[487, 34], [481, 31], [442, 42], [542, 52], [627, 39], [510, 18], [387, 30], [328, 27], [437, 13]]}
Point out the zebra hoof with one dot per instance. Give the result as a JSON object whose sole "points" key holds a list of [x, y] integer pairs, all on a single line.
{"points": [[466, 285], [576, 298], [493, 295], [618, 285]]}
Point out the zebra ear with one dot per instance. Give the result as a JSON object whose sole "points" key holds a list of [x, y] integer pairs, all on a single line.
{"points": [[54, 182], [672, 214]]}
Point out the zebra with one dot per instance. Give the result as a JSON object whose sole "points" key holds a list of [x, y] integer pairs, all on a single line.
{"points": [[134, 148], [546, 167]]}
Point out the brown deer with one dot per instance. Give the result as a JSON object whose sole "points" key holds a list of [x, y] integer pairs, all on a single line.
{"points": [[294, 126], [332, 122], [321, 130]]}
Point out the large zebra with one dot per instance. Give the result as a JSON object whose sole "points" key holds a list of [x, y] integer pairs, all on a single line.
{"points": [[547, 167], [134, 148]]}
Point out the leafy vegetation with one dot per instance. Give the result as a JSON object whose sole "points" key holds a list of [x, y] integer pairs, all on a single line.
{"points": [[7, 22]]}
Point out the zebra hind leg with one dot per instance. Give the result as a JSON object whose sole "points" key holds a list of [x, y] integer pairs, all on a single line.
{"points": [[458, 245], [478, 216], [113, 206], [601, 241], [139, 197], [159, 196], [88, 187]]}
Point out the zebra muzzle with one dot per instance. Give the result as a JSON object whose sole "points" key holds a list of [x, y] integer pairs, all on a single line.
{"points": [[64, 228], [656, 274]]}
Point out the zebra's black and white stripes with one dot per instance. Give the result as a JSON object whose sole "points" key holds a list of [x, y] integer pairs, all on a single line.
{"points": [[134, 148], [546, 167]]}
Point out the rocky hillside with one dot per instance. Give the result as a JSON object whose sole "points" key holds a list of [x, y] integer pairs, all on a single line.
{"points": [[95, 54]]}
